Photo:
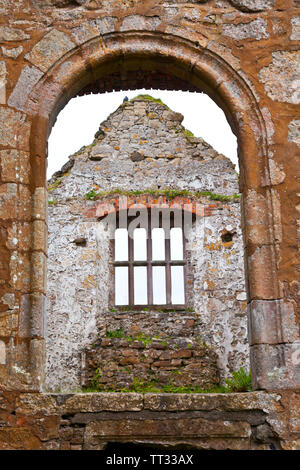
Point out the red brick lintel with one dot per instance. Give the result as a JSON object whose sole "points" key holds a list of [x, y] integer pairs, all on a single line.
{"points": [[116, 203]]}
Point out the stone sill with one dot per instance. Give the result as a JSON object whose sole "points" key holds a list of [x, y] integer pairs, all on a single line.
{"points": [[64, 403]]}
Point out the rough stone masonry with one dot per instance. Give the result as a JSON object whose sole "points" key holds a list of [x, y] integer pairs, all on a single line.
{"points": [[143, 147], [245, 55]]}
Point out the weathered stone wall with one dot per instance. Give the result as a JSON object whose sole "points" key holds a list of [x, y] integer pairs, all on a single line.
{"points": [[244, 54], [244, 46], [145, 360], [142, 146], [89, 421]]}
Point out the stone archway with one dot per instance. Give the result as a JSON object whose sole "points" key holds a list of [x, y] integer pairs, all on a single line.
{"points": [[64, 76]]}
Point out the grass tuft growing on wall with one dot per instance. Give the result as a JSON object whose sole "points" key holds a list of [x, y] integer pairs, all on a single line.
{"points": [[240, 382], [115, 333]]}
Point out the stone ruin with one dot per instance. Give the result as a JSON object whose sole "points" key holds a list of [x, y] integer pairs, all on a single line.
{"points": [[245, 55], [142, 148]]}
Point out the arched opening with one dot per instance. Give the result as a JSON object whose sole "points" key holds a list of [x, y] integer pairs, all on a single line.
{"points": [[194, 284], [200, 69]]}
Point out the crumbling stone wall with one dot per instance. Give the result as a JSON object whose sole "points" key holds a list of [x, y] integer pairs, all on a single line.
{"points": [[145, 360], [244, 54], [142, 146], [90, 421]]}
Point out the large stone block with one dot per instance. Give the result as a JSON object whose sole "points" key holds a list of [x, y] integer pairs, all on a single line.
{"points": [[40, 235], [40, 204], [40, 404], [211, 401], [162, 427], [24, 203], [96, 402], [15, 166], [138, 22], [276, 367], [28, 79], [8, 325], [257, 217], [256, 29], [253, 6], [20, 236], [15, 203], [90, 29], [8, 198], [50, 49], [16, 438], [20, 271], [38, 315], [14, 129], [37, 359], [32, 315], [73, 75], [45, 428], [281, 77], [38, 277], [261, 271], [272, 322], [24, 322]]}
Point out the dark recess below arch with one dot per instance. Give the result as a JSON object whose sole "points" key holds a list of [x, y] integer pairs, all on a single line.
{"points": [[134, 80]]}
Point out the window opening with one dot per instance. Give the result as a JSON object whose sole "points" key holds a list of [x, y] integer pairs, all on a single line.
{"points": [[150, 265]]}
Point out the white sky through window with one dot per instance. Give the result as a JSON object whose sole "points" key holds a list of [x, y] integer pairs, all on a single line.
{"points": [[121, 244], [140, 285], [121, 285], [140, 244], [159, 285], [158, 244], [177, 285], [176, 243]]}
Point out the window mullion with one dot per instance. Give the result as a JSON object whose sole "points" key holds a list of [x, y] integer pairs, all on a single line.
{"points": [[168, 268], [130, 268], [149, 266], [184, 264]]}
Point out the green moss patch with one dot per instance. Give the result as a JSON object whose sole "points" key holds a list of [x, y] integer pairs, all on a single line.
{"points": [[150, 98], [169, 193]]}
